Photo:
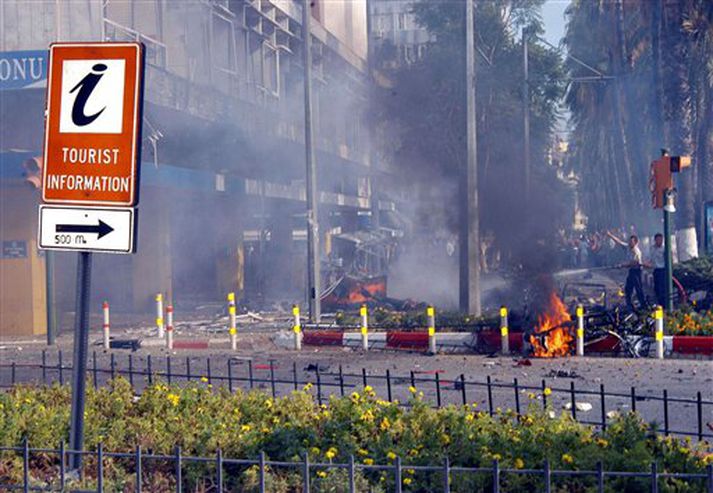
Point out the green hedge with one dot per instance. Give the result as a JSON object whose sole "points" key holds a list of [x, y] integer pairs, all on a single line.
{"points": [[201, 420]]}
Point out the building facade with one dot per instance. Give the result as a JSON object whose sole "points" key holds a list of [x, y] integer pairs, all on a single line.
{"points": [[396, 36], [222, 190]]}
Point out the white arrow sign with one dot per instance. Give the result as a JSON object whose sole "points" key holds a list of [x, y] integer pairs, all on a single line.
{"points": [[100, 229]]}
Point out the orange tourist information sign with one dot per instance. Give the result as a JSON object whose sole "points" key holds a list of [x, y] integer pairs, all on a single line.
{"points": [[92, 124]]}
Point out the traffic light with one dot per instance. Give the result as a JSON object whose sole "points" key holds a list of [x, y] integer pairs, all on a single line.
{"points": [[679, 162], [660, 180], [33, 171], [661, 176]]}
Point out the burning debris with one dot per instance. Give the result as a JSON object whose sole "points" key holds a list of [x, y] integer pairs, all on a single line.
{"points": [[552, 336], [562, 373]]}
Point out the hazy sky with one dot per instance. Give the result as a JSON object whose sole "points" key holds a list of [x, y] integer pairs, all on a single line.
{"points": [[553, 17]]}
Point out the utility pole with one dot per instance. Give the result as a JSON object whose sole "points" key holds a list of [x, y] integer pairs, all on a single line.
{"points": [[526, 110], [313, 279], [49, 300], [469, 279]]}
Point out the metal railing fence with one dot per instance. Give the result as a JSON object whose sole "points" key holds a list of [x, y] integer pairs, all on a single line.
{"points": [[242, 373], [397, 471]]}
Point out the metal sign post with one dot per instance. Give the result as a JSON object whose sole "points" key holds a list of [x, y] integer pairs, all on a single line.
{"points": [[91, 155], [79, 362]]}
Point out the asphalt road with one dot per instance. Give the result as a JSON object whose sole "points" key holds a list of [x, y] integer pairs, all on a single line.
{"points": [[257, 356]]}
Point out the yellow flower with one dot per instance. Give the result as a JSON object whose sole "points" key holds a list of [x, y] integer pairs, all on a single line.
{"points": [[204, 379], [469, 417], [322, 474], [385, 424], [531, 395], [369, 461], [445, 439], [245, 428], [410, 471], [412, 389], [173, 399], [602, 443], [361, 451], [355, 396], [331, 453], [368, 389], [391, 456], [519, 463], [497, 457], [567, 459], [314, 450], [407, 481], [307, 387], [268, 403], [547, 391], [368, 416]]}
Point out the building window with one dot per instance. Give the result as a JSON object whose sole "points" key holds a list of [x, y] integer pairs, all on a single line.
{"points": [[140, 21], [401, 22], [271, 69], [223, 51], [408, 54]]}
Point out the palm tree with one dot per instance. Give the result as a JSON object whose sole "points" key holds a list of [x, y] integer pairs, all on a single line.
{"points": [[660, 53]]}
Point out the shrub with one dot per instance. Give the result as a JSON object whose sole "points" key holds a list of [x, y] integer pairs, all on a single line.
{"points": [[374, 431]]}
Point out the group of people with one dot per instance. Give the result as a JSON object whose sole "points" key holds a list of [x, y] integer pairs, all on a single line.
{"points": [[589, 249], [635, 262], [619, 248]]}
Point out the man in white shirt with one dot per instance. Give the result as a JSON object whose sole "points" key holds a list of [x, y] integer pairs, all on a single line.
{"points": [[634, 263], [658, 262]]}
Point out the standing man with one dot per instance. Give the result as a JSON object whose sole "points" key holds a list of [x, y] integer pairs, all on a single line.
{"points": [[634, 262], [658, 261]]}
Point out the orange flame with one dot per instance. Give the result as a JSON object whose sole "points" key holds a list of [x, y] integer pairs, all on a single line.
{"points": [[558, 337]]}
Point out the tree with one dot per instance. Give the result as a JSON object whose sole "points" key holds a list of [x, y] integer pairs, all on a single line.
{"points": [[658, 53], [424, 105]]}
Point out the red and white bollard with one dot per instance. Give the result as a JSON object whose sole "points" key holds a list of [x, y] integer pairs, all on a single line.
{"points": [[159, 314], [232, 330], [105, 327], [364, 327], [169, 326], [297, 327]]}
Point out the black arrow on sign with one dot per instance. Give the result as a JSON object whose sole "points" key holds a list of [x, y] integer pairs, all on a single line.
{"points": [[102, 229]]}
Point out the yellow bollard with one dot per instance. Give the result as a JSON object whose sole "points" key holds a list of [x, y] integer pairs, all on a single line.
{"points": [[159, 314], [233, 330], [364, 327], [431, 317], [580, 330], [169, 326], [658, 333], [105, 309], [504, 331], [297, 327]]}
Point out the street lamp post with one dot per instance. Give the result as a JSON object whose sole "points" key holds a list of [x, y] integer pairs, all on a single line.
{"points": [[668, 209]]}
